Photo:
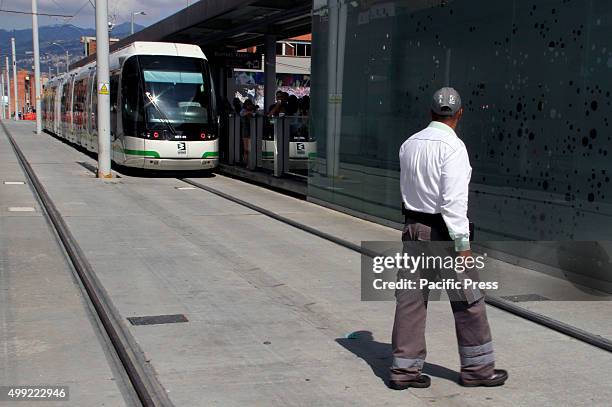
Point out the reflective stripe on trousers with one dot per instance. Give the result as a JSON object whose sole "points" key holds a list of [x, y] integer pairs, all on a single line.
{"points": [[476, 355], [407, 363]]}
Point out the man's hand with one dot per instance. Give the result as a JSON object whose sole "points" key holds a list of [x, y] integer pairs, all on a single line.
{"points": [[465, 253]]}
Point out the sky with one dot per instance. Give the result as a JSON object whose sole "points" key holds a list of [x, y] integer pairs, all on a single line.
{"points": [[83, 12]]}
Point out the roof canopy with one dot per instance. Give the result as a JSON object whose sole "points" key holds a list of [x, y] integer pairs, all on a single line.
{"points": [[235, 24]]}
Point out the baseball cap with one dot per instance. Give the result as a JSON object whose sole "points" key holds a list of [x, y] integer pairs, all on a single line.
{"points": [[446, 102]]}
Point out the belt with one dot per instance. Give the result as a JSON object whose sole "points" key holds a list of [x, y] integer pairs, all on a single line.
{"points": [[433, 220]]}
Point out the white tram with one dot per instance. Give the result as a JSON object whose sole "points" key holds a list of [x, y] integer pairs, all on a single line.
{"points": [[163, 113]]}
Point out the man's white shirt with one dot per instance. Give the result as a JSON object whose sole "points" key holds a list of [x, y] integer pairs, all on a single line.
{"points": [[435, 177]]}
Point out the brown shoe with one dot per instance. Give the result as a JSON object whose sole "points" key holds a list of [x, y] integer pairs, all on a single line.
{"points": [[498, 378], [421, 382]]}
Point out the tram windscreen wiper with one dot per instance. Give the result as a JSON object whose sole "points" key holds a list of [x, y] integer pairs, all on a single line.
{"points": [[163, 116]]}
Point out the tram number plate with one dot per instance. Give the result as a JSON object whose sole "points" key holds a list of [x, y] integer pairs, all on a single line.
{"points": [[181, 148], [301, 148]]}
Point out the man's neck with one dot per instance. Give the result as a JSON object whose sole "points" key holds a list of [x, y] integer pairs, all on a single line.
{"points": [[450, 123], [442, 126]]}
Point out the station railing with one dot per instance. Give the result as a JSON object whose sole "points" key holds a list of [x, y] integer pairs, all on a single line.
{"points": [[280, 145]]}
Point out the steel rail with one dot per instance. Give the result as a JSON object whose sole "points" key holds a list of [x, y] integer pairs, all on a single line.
{"points": [[551, 323], [149, 390]]}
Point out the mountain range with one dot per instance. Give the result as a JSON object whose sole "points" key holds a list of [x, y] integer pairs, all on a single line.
{"points": [[68, 36]]}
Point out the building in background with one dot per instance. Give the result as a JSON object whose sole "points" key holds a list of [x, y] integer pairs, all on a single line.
{"points": [[25, 90], [292, 72], [536, 86], [89, 44]]}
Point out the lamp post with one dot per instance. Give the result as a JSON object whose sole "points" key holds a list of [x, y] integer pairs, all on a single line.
{"points": [[37, 103], [2, 96], [15, 80], [8, 87], [136, 13], [67, 55]]}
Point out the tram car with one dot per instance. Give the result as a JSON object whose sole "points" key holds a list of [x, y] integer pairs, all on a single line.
{"points": [[163, 113], [302, 146]]}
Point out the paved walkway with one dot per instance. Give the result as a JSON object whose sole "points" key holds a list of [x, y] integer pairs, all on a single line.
{"points": [[269, 306], [47, 334]]}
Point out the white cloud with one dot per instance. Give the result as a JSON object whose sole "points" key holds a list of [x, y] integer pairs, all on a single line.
{"points": [[121, 9]]}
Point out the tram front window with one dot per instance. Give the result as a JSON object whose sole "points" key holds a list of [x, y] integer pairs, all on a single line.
{"points": [[177, 95], [180, 96]]}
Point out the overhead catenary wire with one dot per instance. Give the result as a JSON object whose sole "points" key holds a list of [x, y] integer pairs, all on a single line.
{"points": [[78, 11], [38, 14]]}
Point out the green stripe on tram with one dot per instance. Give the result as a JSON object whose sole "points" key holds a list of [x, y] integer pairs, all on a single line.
{"points": [[144, 153], [210, 154]]}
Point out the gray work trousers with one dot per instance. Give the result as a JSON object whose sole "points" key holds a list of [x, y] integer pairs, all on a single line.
{"points": [[408, 337]]}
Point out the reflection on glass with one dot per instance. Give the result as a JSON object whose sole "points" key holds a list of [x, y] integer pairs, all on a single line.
{"points": [[536, 87]]}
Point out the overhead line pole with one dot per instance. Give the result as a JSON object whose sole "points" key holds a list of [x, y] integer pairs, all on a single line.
{"points": [[2, 95], [103, 89], [15, 79], [8, 87], [36, 66]]}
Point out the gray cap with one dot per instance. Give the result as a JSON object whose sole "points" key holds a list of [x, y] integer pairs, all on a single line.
{"points": [[446, 102]]}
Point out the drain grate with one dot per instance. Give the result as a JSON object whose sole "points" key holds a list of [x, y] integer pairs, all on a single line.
{"points": [[525, 298], [158, 319]]}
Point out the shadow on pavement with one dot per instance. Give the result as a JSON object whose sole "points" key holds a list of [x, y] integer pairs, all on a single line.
{"points": [[378, 356]]}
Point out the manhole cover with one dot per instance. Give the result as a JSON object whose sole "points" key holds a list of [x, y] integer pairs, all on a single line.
{"points": [[158, 319]]}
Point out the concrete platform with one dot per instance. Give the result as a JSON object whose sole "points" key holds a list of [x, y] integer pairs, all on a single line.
{"points": [[47, 334], [269, 306]]}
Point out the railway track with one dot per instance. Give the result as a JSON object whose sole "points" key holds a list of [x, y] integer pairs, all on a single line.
{"points": [[551, 323], [145, 389]]}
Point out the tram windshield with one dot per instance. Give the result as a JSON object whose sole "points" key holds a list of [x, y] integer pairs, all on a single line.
{"points": [[177, 90]]}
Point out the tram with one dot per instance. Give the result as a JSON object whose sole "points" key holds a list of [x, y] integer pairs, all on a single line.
{"points": [[163, 113]]}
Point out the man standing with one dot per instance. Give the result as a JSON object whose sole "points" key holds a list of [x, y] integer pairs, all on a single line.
{"points": [[435, 174]]}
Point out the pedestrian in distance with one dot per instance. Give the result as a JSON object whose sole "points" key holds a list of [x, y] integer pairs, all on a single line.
{"points": [[435, 173]]}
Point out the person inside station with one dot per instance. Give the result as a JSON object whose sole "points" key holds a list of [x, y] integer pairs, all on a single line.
{"points": [[280, 107], [435, 174], [292, 105], [304, 106], [248, 111], [237, 105]]}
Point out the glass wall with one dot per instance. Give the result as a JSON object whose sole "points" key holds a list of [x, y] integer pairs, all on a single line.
{"points": [[535, 78]]}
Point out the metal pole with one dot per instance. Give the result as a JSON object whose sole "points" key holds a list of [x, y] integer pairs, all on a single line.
{"points": [[15, 79], [2, 96], [67, 62], [132, 31], [8, 88], [103, 76], [36, 66], [270, 72]]}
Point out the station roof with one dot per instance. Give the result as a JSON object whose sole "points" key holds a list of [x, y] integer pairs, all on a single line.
{"points": [[223, 24]]}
